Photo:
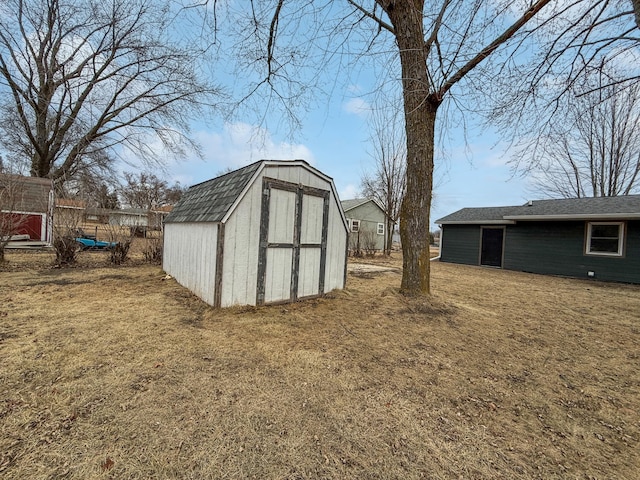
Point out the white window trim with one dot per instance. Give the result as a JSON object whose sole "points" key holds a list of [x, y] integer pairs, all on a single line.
{"points": [[621, 233], [355, 226], [380, 228]]}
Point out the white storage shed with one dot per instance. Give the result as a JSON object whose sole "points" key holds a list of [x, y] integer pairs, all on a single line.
{"points": [[271, 232]]}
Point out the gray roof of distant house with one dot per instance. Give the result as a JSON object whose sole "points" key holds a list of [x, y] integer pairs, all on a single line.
{"points": [[356, 202], [211, 200], [622, 207], [352, 203]]}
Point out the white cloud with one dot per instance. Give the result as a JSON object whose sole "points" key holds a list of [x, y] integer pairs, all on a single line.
{"points": [[349, 192], [357, 106], [241, 143], [237, 145]]}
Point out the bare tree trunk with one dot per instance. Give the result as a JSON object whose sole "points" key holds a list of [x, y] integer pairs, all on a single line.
{"points": [[636, 11], [416, 205], [420, 115]]}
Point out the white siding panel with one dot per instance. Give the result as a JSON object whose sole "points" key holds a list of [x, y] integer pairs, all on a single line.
{"points": [[242, 236], [189, 256], [336, 249], [278, 275], [309, 277], [282, 216], [297, 175], [312, 216]]}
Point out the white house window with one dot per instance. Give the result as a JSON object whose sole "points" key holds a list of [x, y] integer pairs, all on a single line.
{"points": [[381, 229], [605, 238], [355, 225]]}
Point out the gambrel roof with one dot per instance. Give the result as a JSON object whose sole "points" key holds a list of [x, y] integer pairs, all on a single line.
{"points": [[215, 199], [591, 208], [210, 201]]}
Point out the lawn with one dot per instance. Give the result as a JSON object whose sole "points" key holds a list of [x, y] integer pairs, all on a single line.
{"points": [[121, 373]]}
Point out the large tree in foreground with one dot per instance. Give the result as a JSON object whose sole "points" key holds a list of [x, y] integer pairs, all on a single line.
{"points": [[436, 44], [82, 80], [443, 52]]}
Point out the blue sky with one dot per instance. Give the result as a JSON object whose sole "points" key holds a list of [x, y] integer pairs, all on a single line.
{"points": [[334, 139]]}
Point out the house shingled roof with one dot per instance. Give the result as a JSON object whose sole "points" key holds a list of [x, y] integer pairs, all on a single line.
{"points": [[352, 203], [209, 201], [621, 207], [356, 202]]}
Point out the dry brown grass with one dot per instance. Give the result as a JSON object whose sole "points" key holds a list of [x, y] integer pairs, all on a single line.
{"points": [[117, 373]]}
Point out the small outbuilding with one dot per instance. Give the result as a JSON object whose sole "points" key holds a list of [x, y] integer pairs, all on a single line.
{"points": [[271, 232], [27, 204], [579, 237]]}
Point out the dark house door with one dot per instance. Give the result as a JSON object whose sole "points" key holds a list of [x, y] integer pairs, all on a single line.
{"points": [[491, 249]]}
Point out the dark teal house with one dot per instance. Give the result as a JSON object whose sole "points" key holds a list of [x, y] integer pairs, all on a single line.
{"points": [[579, 237]]}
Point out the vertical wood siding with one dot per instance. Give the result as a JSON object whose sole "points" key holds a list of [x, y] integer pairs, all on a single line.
{"points": [[242, 233], [311, 228], [461, 244], [190, 257], [308, 282], [242, 236], [335, 268], [278, 275], [190, 248]]}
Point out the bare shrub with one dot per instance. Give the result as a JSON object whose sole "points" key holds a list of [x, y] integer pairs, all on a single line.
{"points": [[65, 231], [354, 244], [66, 248], [121, 238], [152, 250], [368, 242]]}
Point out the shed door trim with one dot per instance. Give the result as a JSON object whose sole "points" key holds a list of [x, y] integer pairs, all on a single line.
{"points": [[269, 184]]}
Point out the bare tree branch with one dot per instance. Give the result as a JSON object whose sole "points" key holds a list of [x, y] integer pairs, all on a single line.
{"points": [[81, 77]]}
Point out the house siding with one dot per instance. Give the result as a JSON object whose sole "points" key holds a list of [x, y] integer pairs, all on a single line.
{"points": [[461, 244], [369, 215], [32, 199], [551, 248], [558, 248]]}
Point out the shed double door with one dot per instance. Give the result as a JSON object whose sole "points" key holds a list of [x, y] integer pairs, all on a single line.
{"points": [[293, 242]]}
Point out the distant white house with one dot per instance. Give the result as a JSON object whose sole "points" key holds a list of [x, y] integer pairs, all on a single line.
{"points": [[129, 217]]}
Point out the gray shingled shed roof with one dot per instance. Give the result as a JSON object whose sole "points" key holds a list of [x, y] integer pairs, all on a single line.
{"points": [[623, 207], [211, 200]]}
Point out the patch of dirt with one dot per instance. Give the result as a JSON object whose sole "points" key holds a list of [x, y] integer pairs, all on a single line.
{"points": [[121, 373]]}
